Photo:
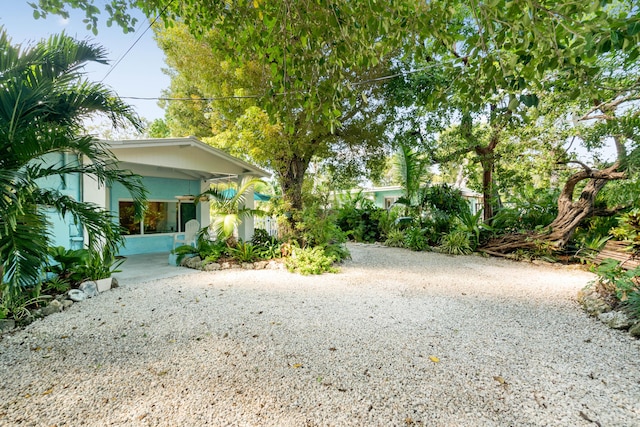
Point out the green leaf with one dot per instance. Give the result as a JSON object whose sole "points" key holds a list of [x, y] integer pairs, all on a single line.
{"points": [[633, 28]]}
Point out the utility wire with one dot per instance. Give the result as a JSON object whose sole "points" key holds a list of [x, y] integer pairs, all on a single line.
{"points": [[115, 64], [224, 98]]}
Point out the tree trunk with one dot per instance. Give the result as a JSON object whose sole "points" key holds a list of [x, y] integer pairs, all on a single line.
{"points": [[570, 214], [291, 178]]}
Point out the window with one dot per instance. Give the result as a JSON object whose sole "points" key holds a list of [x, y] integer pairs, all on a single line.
{"points": [[388, 201], [160, 217]]}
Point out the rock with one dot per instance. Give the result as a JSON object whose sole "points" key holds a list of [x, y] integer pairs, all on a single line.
{"points": [[185, 261], [248, 265], [66, 304], [260, 265], [54, 306], [7, 325], [212, 266], [194, 262], [592, 302], [114, 283], [615, 319], [225, 265], [635, 330], [274, 265], [77, 295], [89, 287]]}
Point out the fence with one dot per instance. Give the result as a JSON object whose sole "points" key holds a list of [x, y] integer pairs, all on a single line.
{"points": [[267, 223]]}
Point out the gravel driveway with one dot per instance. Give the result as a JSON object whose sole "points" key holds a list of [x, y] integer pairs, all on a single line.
{"points": [[397, 338]]}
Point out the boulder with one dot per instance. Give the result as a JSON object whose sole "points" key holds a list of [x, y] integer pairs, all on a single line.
{"points": [[54, 306], [89, 287], [635, 330], [7, 325], [76, 295], [212, 266], [248, 265], [66, 304], [592, 302], [260, 265], [194, 262], [615, 319]]}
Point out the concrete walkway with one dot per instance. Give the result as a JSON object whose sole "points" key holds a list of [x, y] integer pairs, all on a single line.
{"points": [[145, 267]]}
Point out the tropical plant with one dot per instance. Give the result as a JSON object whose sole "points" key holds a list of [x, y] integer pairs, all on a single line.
{"points": [[395, 238], [472, 225], [415, 238], [622, 284], [43, 103], [456, 242], [245, 252], [310, 261], [229, 208]]}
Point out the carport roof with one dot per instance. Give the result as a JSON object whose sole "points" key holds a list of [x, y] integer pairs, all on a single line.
{"points": [[184, 158]]}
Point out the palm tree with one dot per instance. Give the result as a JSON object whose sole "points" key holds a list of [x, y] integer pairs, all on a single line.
{"points": [[44, 98], [228, 209], [411, 169]]}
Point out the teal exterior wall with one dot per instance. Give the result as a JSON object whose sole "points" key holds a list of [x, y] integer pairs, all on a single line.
{"points": [[63, 231], [379, 196], [159, 189]]}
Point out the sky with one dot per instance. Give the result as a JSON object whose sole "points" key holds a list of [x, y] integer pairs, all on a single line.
{"points": [[139, 73]]}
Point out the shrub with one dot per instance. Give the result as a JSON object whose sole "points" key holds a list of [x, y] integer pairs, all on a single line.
{"points": [[310, 261], [456, 242], [416, 239], [245, 252], [624, 285], [395, 238]]}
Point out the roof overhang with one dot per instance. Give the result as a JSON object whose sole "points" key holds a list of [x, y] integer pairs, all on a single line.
{"points": [[183, 158]]}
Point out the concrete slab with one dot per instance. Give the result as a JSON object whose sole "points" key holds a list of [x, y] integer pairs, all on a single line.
{"points": [[145, 267]]}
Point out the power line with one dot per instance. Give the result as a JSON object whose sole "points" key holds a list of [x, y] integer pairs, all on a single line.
{"points": [[115, 64], [224, 98]]}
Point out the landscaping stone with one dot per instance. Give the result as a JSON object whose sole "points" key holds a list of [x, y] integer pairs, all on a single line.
{"points": [[592, 302], [7, 325], [634, 331], [89, 287], [212, 266], [247, 266], [76, 295], [615, 319], [66, 304], [114, 283], [194, 262], [225, 265], [54, 306], [260, 265]]}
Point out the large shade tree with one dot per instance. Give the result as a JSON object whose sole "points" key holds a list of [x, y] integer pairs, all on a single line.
{"points": [[43, 102], [498, 53]]}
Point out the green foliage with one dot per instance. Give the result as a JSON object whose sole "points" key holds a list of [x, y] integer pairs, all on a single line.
{"points": [[415, 238], [590, 247], [262, 238], [472, 225], [395, 238], [56, 285], [443, 198], [245, 252], [229, 211], [44, 103], [317, 227], [629, 230], [101, 264], [67, 263], [530, 210], [360, 219], [456, 242], [307, 261], [623, 284]]}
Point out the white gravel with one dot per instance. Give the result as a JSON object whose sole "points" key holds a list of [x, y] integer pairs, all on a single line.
{"points": [[396, 338]]}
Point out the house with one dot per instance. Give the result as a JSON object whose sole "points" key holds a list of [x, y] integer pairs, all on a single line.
{"points": [[385, 197], [173, 170]]}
